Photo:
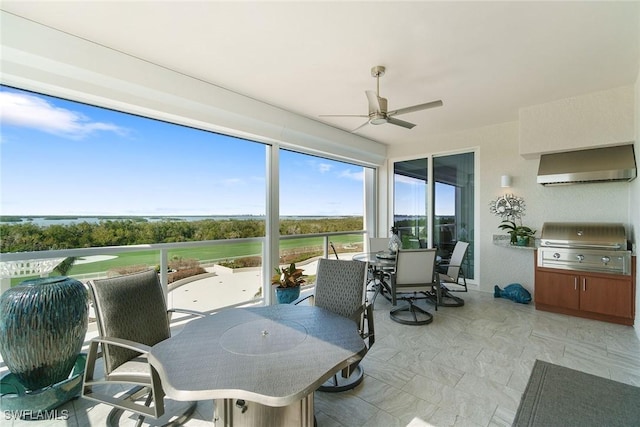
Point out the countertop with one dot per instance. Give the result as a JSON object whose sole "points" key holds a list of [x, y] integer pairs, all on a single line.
{"points": [[505, 241]]}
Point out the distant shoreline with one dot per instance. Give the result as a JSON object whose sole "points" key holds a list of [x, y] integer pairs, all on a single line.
{"points": [[44, 220]]}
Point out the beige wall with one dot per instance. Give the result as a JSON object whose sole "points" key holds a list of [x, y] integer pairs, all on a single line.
{"points": [[587, 121], [498, 150]]}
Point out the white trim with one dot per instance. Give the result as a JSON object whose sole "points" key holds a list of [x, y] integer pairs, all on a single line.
{"points": [[271, 248]]}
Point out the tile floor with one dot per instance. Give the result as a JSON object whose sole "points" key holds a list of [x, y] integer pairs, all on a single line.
{"points": [[467, 368]]}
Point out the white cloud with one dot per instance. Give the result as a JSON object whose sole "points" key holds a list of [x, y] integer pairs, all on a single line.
{"points": [[324, 167], [356, 176], [34, 112], [321, 167]]}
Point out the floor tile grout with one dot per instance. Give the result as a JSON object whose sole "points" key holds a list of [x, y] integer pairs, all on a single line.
{"points": [[472, 364]]}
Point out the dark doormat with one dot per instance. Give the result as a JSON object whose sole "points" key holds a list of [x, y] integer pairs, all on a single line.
{"points": [[559, 396]]}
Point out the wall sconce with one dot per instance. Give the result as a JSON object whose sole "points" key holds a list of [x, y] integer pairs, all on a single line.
{"points": [[505, 181]]}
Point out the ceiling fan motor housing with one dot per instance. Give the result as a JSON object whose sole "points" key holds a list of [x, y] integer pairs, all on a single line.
{"points": [[378, 117], [378, 112]]}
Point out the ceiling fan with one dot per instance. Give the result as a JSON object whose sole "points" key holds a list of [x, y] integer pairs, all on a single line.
{"points": [[378, 113]]}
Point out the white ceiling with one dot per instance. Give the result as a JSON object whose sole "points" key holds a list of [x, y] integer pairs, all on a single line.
{"points": [[485, 60]]}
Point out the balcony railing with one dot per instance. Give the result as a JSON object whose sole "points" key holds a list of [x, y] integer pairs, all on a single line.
{"points": [[220, 287]]}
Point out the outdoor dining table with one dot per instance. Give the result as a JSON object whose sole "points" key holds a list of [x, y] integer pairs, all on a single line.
{"points": [[261, 365], [379, 262]]}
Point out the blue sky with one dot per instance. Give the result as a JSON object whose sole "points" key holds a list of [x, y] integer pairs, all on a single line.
{"points": [[59, 157], [65, 158]]}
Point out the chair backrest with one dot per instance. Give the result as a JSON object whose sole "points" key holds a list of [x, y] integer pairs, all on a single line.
{"points": [[131, 307], [377, 244], [341, 287], [415, 268], [459, 252]]}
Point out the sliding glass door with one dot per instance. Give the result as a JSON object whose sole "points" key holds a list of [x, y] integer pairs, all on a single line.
{"points": [[436, 208], [410, 189], [453, 207]]}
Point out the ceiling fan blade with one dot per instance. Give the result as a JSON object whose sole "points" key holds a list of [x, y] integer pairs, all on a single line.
{"points": [[361, 126], [374, 103], [342, 115], [419, 107], [399, 122]]}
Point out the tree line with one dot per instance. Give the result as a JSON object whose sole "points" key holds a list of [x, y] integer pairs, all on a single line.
{"points": [[25, 237]]}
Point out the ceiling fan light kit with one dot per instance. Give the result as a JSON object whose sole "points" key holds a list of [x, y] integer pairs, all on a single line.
{"points": [[377, 119], [378, 111]]}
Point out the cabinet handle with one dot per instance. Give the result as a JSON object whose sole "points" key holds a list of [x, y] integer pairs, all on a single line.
{"points": [[584, 284], [575, 283]]}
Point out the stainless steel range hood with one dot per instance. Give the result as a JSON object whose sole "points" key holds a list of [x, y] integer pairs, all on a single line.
{"points": [[594, 165]]}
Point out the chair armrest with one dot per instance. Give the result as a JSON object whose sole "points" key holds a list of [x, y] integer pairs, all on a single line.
{"points": [[187, 311], [445, 277], [304, 298], [131, 345], [448, 264], [93, 354]]}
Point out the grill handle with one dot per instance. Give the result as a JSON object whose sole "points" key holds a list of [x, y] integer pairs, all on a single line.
{"points": [[548, 243]]}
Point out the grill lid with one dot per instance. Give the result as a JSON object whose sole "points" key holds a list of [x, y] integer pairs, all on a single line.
{"points": [[583, 235]]}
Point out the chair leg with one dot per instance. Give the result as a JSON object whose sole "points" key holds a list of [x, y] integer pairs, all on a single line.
{"points": [[147, 402], [174, 419], [376, 290], [448, 300], [463, 284], [419, 316], [338, 383]]}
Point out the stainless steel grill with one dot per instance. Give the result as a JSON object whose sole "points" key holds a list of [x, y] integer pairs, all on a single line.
{"points": [[598, 247]]}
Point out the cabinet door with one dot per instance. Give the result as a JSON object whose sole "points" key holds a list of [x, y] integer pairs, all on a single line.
{"points": [[557, 289], [606, 296]]}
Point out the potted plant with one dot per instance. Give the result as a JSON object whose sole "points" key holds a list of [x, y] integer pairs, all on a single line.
{"points": [[288, 281], [520, 234]]}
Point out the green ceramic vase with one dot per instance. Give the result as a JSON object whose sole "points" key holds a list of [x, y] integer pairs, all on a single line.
{"points": [[43, 323]]}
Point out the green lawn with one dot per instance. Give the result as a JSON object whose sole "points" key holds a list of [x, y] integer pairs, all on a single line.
{"points": [[217, 252]]}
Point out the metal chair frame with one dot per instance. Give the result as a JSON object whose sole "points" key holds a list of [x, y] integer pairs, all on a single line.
{"points": [[455, 272], [130, 368], [414, 279]]}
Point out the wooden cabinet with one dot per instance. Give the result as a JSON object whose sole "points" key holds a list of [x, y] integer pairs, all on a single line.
{"points": [[612, 295], [553, 288], [599, 296]]}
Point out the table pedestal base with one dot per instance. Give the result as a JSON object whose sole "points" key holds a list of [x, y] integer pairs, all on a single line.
{"points": [[242, 413]]}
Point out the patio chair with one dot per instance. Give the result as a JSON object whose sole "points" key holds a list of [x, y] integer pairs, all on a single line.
{"points": [[340, 288], [414, 279], [132, 316], [450, 281], [377, 244]]}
